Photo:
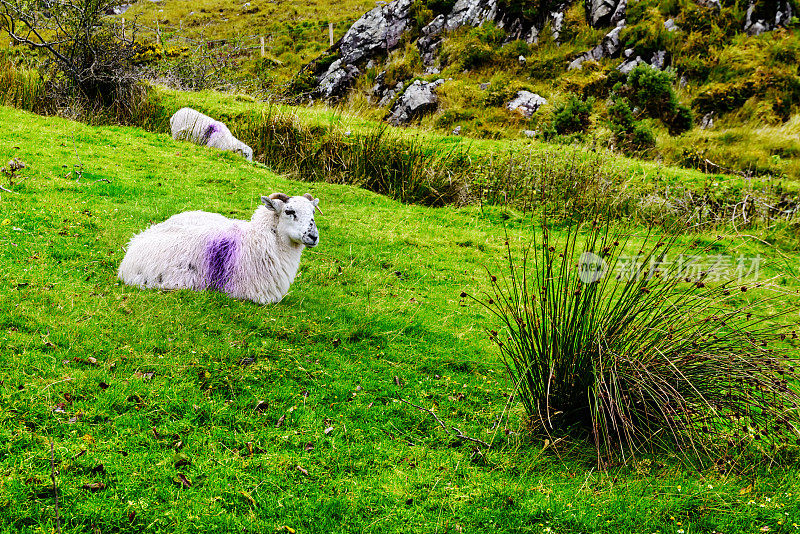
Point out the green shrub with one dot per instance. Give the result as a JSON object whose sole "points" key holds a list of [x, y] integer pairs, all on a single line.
{"points": [[642, 137], [629, 134], [467, 53], [572, 116], [651, 91]]}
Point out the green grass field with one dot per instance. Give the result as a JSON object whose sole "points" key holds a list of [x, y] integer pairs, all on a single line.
{"points": [[191, 412]]}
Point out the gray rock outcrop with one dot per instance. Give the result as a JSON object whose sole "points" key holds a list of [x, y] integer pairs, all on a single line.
{"points": [[419, 98], [608, 47], [380, 30], [711, 4], [606, 12], [339, 76], [526, 103], [760, 19], [656, 60]]}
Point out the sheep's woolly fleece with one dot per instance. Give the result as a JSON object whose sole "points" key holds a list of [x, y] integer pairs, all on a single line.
{"points": [[254, 260], [191, 125]]}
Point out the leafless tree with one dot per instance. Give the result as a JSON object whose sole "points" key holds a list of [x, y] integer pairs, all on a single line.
{"points": [[88, 54]]}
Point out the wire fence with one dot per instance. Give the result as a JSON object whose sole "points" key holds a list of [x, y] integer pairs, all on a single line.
{"points": [[260, 41]]}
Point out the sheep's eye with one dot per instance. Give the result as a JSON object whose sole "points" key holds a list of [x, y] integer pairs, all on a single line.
{"points": [[289, 213]]}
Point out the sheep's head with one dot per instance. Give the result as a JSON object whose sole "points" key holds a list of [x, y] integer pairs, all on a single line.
{"points": [[295, 217], [246, 151]]}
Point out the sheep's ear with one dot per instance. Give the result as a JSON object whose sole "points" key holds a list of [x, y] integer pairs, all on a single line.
{"points": [[273, 204], [314, 201]]}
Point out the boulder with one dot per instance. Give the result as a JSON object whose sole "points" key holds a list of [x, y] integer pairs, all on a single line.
{"points": [[608, 47], [380, 29], [337, 79], [419, 98], [767, 16], [711, 4], [472, 12], [670, 25], [656, 60], [606, 12], [526, 103]]}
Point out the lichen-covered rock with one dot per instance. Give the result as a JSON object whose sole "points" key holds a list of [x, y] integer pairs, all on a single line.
{"points": [[712, 4], [670, 25], [419, 98], [338, 77], [471, 12], [526, 103], [606, 12], [656, 60], [767, 16], [608, 47], [380, 29]]}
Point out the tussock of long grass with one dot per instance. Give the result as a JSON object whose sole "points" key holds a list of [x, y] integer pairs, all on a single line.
{"points": [[21, 88], [647, 354]]}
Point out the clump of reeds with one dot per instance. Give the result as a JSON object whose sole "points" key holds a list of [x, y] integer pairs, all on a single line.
{"points": [[632, 344], [22, 88]]}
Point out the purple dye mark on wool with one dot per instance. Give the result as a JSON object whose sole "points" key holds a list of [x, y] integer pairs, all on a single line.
{"points": [[221, 255], [210, 130]]}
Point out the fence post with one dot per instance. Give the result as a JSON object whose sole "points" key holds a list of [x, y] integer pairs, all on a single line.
{"points": [[330, 33], [123, 28], [262, 46]]}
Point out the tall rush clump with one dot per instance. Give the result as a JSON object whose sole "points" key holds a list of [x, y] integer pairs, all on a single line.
{"points": [[640, 352]]}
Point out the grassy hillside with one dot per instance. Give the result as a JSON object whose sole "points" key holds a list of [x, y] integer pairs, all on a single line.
{"points": [[191, 412], [747, 85]]}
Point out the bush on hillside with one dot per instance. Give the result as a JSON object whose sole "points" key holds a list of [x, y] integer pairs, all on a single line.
{"points": [[629, 134], [572, 116], [651, 91]]}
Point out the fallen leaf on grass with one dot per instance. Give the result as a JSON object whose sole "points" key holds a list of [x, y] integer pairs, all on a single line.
{"points": [[746, 489], [303, 471], [328, 430], [262, 406], [180, 459], [309, 447], [94, 486], [281, 419]]}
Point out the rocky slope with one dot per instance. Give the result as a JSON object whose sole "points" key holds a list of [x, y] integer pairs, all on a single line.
{"points": [[387, 27]]}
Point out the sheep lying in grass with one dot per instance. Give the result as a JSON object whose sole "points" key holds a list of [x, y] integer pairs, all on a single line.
{"points": [[254, 260], [191, 125]]}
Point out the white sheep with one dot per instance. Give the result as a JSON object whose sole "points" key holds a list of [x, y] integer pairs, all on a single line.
{"points": [[254, 260], [190, 125]]}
